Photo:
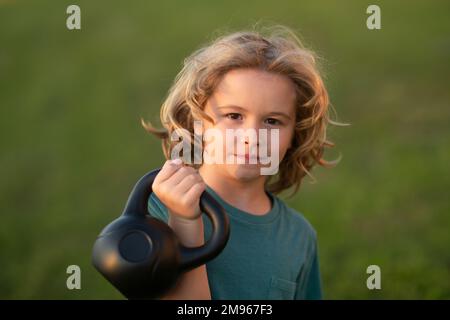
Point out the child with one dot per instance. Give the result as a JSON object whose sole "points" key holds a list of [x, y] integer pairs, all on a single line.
{"points": [[245, 80]]}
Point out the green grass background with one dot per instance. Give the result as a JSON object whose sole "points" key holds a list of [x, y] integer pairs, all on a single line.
{"points": [[72, 146]]}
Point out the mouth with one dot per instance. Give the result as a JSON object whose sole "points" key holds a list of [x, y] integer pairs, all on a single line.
{"points": [[247, 157]]}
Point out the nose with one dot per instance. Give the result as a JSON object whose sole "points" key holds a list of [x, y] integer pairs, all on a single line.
{"points": [[251, 142], [247, 141]]}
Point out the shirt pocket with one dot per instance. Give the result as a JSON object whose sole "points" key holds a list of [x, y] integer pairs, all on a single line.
{"points": [[281, 289]]}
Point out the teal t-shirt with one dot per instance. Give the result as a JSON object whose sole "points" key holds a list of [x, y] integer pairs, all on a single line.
{"points": [[273, 256]]}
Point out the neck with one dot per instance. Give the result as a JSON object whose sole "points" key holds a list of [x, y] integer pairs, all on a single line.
{"points": [[246, 195]]}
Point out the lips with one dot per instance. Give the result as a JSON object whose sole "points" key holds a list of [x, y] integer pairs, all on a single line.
{"points": [[246, 157]]}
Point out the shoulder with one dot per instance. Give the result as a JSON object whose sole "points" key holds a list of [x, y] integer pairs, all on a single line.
{"points": [[297, 220]]}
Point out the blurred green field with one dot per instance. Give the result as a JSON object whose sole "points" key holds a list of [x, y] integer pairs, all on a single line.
{"points": [[72, 146]]}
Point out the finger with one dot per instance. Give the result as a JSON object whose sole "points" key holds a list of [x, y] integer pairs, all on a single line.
{"points": [[178, 176], [168, 169], [187, 183], [195, 191]]}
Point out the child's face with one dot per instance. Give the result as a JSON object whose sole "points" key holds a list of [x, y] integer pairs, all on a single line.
{"points": [[251, 99]]}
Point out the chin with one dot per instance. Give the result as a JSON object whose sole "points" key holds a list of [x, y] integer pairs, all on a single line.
{"points": [[244, 172]]}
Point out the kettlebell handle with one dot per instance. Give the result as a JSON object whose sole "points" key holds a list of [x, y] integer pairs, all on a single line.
{"points": [[191, 258]]}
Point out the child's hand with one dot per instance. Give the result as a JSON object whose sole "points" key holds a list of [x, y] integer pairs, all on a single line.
{"points": [[179, 188]]}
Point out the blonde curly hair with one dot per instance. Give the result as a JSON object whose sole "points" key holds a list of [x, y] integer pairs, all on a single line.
{"points": [[277, 50]]}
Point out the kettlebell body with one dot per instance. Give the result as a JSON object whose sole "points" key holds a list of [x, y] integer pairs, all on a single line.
{"points": [[142, 257]]}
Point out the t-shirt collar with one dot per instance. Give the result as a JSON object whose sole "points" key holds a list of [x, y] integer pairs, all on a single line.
{"points": [[247, 216]]}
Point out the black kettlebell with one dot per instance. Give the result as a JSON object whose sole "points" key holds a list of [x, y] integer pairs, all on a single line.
{"points": [[141, 255]]}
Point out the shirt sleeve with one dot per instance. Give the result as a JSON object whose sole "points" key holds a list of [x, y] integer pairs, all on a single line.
{"points": [[310, 287], [157, 209]]}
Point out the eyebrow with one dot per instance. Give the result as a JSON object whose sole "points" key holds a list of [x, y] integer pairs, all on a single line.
{"points": [[282, 114]]}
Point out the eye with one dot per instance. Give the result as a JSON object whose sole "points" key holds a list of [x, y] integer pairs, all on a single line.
{"points": [[273, 121], [234, 116]]}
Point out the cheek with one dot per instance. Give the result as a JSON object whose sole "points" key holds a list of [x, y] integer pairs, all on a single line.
{"points": [[284, 139], [289, 137], [214, 142], [284, 142]]}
